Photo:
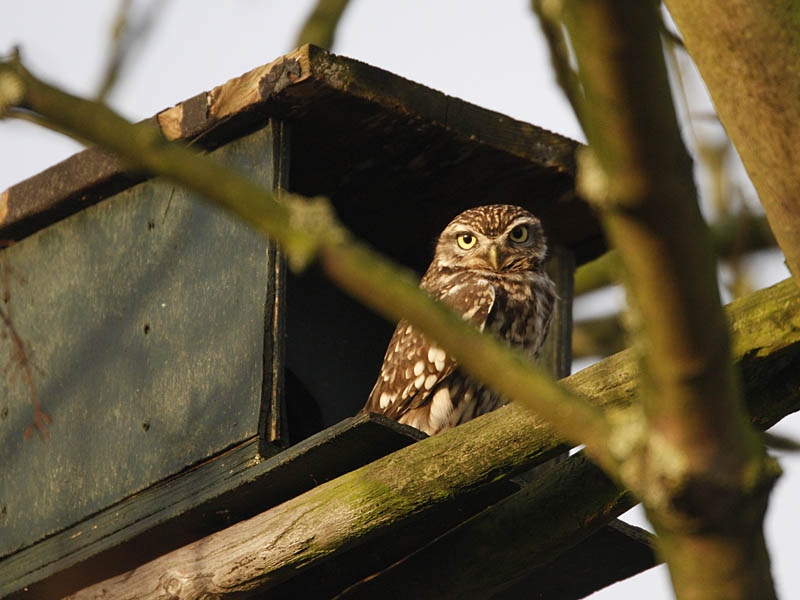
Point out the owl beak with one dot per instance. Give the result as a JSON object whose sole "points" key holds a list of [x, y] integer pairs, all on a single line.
{"points": [[494, 258]]}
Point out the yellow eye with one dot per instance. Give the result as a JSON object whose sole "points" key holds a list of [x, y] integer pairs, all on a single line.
{"points": [[519, 234], [466, 241]]}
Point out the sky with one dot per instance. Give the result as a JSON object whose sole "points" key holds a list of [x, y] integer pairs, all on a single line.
{"points": [[488, 53]]}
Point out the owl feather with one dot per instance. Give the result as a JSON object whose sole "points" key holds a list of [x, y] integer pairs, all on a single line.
{"points": [[488, 268]]}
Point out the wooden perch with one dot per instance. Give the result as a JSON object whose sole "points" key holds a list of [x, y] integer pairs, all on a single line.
{"points": [[404, 500], [511, 539]]}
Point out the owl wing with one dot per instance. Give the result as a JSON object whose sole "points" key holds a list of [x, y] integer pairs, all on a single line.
{"points": [[413, 366]]}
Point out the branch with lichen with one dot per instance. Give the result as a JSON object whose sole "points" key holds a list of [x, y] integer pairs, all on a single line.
{"points": [[692, 458], [307, 230]]}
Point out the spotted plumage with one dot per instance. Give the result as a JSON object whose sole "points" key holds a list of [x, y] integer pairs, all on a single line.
{"points": [[487, 266]]}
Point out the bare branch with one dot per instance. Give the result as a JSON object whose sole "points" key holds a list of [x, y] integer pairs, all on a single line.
{"points": [[549, 13], [126, 33], [731, 235]]}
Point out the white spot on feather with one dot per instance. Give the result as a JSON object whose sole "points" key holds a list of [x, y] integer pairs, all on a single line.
{"points": [[419, 367], [435, 354], [452, 291], [437, 357], [430, 380], [386, 399], [441, 407], [419, 381], [471, 312]]}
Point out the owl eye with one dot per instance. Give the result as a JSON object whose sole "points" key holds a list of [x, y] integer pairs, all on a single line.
{"points": [[519, 234], [466, 240]]}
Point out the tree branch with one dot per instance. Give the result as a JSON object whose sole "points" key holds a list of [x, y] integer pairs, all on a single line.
{"points": [[732, 236], [756, 91], [693, 460], [126, 33], [320, 27]]}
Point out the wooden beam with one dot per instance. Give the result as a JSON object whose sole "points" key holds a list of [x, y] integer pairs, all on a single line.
{"points": [[390, 507], [515, 543], [234, 486]]}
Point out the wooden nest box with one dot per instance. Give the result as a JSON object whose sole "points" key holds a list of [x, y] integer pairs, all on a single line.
{"points": [[191, 381]]}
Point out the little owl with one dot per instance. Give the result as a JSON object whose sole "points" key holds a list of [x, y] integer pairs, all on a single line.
{"points": [[487, 266]]}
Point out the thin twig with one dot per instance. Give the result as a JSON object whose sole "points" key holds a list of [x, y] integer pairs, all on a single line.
{"points": [[125, 35]]}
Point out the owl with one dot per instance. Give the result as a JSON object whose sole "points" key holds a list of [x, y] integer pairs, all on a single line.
{"points": [[487, 266]]}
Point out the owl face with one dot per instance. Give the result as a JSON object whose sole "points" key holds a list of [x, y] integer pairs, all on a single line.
{"points": [[498, 238]]}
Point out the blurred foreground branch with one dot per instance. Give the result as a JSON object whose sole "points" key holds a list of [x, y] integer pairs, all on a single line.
{"points": [[756, 92], [126, 33], [320, 26], [692, 458], [732, 236]]}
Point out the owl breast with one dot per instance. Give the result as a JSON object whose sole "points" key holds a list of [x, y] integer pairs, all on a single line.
{"points": [[520, 315]]}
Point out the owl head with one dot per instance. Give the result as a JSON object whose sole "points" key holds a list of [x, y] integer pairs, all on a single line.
{"points": [[498, 238]]}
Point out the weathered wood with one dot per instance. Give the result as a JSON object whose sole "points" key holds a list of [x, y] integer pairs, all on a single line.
{"points": [[145, 317], [485, 154], [514, 539], [273, 422], [225, 490], [383, 501], [370, 140], [614, 553]]}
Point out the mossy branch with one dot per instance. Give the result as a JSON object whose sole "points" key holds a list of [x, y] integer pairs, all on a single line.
{"points": [[309, 231]]}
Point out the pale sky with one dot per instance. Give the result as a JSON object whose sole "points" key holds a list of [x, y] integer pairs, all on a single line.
{"points": [[491, 54]]}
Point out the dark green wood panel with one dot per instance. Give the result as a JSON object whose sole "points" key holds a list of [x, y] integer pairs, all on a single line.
{"points": [[207, 498], [145, 316]]}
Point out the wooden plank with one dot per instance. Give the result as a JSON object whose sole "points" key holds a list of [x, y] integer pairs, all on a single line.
{"points": [[145, 318], [532, 544], [386, 150], [231, 487], [273, 423], [536, 543], [616, 552]]}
